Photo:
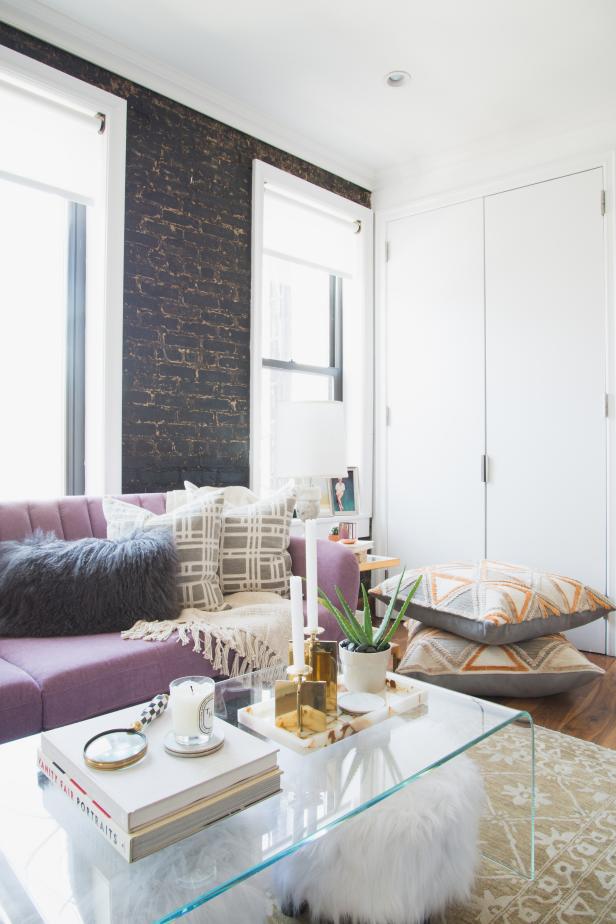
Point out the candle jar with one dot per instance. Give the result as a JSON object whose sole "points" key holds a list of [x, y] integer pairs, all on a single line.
{"points": [[191, 701]]}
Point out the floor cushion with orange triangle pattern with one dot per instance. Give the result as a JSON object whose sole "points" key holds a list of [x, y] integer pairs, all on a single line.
{"points": [[495, 602], [538, 667]]}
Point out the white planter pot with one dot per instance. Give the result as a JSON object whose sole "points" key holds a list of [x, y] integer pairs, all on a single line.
{"points": [[364, 672]]}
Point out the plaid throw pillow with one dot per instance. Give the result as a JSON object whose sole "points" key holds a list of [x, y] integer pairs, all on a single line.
{"points": [[196, 529], [255, 542]]}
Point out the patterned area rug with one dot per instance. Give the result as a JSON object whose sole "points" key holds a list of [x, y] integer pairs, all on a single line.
{"points": [[575, 834]]}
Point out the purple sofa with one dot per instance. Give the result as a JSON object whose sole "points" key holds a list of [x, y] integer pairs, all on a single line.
{"points": [[46, 682]]}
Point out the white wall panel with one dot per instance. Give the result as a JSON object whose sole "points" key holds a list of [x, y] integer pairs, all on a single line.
{"points": [[545, 380], [435, 392]]}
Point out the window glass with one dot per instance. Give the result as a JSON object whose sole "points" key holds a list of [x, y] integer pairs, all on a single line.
{"points": [[33, 304], [296, 312]]}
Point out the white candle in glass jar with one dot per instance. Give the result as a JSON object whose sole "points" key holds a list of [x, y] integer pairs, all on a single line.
{"points": [[297, 621], [312, 601], [192, 707]]}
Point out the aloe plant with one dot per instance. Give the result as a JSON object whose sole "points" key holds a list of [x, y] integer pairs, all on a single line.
{"points": [[360, 634]]}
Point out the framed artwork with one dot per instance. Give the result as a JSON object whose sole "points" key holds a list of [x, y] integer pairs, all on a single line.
{"points": [[344, 493]]}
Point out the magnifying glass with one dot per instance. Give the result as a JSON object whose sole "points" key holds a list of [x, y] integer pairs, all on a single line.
{"points": [[122, 747]]}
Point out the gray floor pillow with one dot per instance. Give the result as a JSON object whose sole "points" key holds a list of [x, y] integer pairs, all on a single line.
{"points": [[51, 587]]}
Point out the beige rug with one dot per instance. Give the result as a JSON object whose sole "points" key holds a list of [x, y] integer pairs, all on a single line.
{"points": [[575, 834]]}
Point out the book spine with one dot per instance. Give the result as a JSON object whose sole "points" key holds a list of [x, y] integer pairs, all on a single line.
{"points": [[65, 767], [88, 808]]}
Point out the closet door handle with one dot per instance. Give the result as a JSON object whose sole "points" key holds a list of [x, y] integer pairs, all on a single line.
{"points": [[484, 468]]}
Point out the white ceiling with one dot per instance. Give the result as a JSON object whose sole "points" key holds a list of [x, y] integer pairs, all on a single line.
{"points": [[309, 75]]}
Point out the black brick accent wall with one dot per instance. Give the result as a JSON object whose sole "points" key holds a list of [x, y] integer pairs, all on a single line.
{"points": [[187, 280]]}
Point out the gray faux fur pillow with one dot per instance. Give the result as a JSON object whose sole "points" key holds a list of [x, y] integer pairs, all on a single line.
{"points": [[51, 586]]}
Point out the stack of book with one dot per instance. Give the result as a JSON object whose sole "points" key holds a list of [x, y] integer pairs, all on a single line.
{"points": [[162, 799]]}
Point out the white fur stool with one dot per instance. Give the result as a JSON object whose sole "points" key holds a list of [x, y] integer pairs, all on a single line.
{"points": [[399, 862]]}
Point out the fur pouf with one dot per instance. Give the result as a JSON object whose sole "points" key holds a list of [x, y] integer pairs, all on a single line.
{"points": [[400, 861]]}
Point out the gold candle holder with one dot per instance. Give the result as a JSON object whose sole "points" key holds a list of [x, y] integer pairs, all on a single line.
{"points": [[322, 657], [300, 704]]}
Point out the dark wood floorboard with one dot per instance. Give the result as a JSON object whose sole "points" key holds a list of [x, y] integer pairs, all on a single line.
{"points": [[588, 712]]}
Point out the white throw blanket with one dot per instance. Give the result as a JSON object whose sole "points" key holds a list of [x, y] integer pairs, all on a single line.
{"points": [[255, 636]]}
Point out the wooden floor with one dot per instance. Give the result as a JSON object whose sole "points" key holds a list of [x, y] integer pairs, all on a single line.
{"points": [[588, 712]]}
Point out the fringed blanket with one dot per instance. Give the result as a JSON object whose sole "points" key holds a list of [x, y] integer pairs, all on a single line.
{"points": [[242, 639]]}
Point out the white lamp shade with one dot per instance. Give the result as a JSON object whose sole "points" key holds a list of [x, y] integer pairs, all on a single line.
{"points": [[310, 439]]}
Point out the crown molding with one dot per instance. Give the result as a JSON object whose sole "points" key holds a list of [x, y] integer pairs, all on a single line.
{"points": [[494, 156], [66, 33]]}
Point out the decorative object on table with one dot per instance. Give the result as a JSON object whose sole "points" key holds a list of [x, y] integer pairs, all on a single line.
{"points": [[160, 800], [196, 530], [320, 655], [344, 491], [310, 446], [334, 534], [538, 667], [364, 653], [192, 715], [347, 531], [116, 748], [59, 587], [300, 702], [422, 841], [400, 696], [497, 603]]}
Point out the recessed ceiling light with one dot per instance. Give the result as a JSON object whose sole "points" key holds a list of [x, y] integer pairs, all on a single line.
{"points": [[397, 78]]}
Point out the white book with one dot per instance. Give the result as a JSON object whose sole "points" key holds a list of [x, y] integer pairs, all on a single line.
{"points": [[153, 837], [159, 784]]}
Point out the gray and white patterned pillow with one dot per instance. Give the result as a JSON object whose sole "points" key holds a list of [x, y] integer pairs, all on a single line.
{"points": [[254, 552], [196, 529]]}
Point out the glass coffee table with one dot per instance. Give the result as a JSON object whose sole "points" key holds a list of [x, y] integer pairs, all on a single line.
{"points": [[54, 868]]}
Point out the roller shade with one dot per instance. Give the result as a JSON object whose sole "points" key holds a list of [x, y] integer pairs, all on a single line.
{"points": [[48, 144], [303, 232]]}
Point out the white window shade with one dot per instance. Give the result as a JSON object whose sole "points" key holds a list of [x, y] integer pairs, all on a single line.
{"points": [[49, 144], [304, 233]]}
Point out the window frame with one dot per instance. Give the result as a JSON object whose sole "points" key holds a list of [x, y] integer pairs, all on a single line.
{"points": [[358, 367], [104, 282], [335, 368]]}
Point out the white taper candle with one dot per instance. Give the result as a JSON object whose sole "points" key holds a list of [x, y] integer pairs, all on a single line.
{"points": [[312, 602], [297, 621]]}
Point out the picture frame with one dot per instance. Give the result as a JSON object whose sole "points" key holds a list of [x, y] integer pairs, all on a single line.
{"points": [[344, 493]]}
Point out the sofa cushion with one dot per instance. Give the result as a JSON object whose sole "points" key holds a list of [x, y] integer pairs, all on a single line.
{"points": [[537, 667], [196, 531], [254, 552], [67, 517], [51, 586], [81, 676], [234, 495], [21, 707], [495, 602]]}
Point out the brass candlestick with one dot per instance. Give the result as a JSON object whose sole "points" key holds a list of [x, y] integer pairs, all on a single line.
{"points": [[300, 704], [322, 658]]}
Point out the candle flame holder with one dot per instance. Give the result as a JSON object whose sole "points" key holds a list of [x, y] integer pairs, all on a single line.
{"points": [[300, 705], [322, 657]]}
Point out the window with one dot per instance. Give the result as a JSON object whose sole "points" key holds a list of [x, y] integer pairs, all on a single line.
{"points": [[42, 242], [61, 232], [311, 317]]}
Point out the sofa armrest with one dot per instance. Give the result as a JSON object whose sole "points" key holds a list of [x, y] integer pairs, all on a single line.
{"points": [[336, 567]]}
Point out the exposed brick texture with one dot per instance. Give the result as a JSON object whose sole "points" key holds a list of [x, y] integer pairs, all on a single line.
{"points": [[187, 280]]}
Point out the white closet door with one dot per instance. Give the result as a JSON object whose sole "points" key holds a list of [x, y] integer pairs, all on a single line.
{"points": [[545, 380], [435, 370]]}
